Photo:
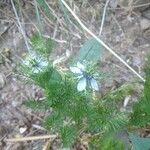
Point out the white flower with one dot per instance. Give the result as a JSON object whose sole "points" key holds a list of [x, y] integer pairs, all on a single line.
{"points": [[84, 78], [79, 69], [36, 63]]}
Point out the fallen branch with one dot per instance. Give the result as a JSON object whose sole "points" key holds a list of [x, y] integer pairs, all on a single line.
{"points": [[31, 138]]}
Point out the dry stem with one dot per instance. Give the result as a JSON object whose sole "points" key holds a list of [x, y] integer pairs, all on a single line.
{"points": [[20, 26], [103, 18], [31, 138]]}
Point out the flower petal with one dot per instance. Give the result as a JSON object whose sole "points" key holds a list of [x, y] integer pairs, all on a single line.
{"points": [[94, 84], [35, 70], [81, 84], [80, 76], [80, 66], [26, 62], [75, 70], [44, 63]]}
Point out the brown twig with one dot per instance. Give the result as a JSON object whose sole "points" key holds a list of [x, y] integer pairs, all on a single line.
{"points": [[31, 138], [47, 145]]}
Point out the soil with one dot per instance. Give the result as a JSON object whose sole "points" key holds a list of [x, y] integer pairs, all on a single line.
{"points": [[126, 30]]}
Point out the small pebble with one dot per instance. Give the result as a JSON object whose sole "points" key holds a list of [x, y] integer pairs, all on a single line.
{"points": [[145, 23], [2, 80], [146, 14], [22, 130]]}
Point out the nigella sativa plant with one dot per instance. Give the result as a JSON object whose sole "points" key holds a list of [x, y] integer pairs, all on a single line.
{"points": [[85, 78], [35, 62]]}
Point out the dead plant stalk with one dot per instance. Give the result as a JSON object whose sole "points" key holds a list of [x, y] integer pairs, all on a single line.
{"points": [[20, 26], [103, 17], [31, 138]]}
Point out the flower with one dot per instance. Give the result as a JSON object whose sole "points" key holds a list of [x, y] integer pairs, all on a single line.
{"points": [[84, 78], [36, 63]]}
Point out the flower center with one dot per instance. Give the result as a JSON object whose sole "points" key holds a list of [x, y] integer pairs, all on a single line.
{"points": [[87, 75], [36, 65]]}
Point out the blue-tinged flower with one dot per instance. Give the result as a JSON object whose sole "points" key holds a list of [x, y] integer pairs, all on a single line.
{"points": [[35, 62], [84, 78]]}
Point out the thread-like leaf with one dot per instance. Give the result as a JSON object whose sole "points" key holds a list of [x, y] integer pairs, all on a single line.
{"points": [[68, 134], [44, 46]]}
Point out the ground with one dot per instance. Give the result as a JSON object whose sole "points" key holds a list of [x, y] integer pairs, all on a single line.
{"points": [[126, 30]]}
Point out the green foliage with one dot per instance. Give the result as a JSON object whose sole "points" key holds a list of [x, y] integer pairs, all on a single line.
{"points": [[75, 112], [114, 97], [47, 79], [147, 83], [41, 45], [109, 142], [112, 144], [54, 121], [141, 111], [119, 93], [91, 51], [68, 135], [36, 105], [139, 143], [141, 114]]}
